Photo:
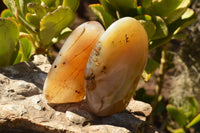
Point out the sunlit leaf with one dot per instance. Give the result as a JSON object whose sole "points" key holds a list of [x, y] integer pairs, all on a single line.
{"points": [[53, 23], [23, 6], [109, 8], [178, 12], [9, 34], [179, 130], [6, 13], [124, 7], [49, 3], [186, 19], [164, 8], [17, 56], [161, 28], [12, 6], [177, 115], [194, 121], [73, 4], [37, 9], [190, 107], [174, 28], [149, 26], [26, 48], [99, 11], [64, 33], [33, 20], [150, 68]]}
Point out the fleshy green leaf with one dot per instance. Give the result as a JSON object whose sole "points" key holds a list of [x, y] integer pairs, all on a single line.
{"points": [[109, 8], [159, 42], [164, 8], [150, 68], [146, 3], [49, 3], [99, 11], [177, 115], [16, 56], [147, 23], [33, 20], [178, 12], [73, 4], [180, 130], [161, 28], [64, 33], [53, 23], [150, 28], [39, 12], [37, 9], [6, 13], [190, 107], [26, 46], [12, 6], [188, 18], [194, 121], [23, 6], [9, 34], [125, 7]]}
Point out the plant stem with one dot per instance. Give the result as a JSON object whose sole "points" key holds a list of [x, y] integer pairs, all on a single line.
{"points": [[160, 81]]}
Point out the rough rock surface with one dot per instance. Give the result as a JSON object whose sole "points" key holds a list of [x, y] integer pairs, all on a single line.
{"points": [[24, 109]]}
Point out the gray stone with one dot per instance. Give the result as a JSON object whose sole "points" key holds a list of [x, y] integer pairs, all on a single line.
{"points": [[23, 106]]}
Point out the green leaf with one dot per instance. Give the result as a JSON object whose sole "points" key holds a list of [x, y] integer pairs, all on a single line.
{"points": [[159, 42], [190, 107], [194, 121], [150, 68], [170, 10], [64, 33], [188, 18], [16, 56], [23, 7], [125, 7], [147, 23], [150, 28], [177, 115], [9, 34], [26, 46], [161, 28], [73, 4], [146, 3], [6, 13], [180, 130], [109, 8], [178, 12], [164, 8], [49, 3], [104, 17], [12, 6], [53, 23], [33, 20], [37, 9]]}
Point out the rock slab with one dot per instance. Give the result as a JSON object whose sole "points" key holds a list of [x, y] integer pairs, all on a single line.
{"points": [[23, 107]]}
